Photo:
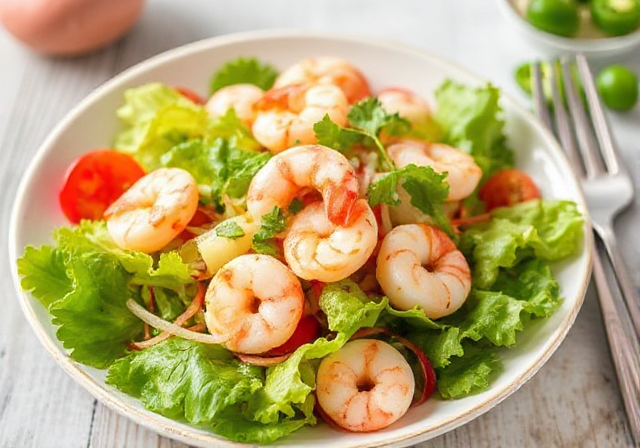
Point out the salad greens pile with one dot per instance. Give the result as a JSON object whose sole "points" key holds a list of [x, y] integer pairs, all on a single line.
{"points": [[84, 279]]}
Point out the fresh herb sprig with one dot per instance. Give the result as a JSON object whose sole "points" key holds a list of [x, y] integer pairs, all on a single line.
{"points": [[367, 120]]}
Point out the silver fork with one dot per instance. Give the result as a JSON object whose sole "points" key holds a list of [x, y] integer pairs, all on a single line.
{"points": [[608, 191]]}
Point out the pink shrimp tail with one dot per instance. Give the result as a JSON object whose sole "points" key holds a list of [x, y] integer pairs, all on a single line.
{"points": [[339, 204]]}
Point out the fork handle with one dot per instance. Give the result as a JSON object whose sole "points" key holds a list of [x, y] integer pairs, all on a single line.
{"points": [[622, 273], [623, 341]]}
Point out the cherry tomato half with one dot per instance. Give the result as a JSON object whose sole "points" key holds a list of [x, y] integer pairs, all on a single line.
{"points": [[506, 188], [618, 87], [308, 330], [94, 181]]}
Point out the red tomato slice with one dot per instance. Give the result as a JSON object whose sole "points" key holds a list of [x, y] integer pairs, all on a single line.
{"points": [[508, 187], [190, 94], [94, 181], [308, 330]]}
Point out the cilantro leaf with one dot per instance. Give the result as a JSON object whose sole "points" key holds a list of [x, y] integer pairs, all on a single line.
{"points": [[367, 119], [295, 206], [330, 134], [370, 116], [271, 224], [426, 188], [229, 229], [243, 71]]}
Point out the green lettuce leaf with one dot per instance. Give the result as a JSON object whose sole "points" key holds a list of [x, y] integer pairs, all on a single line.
{"points": [[558, 224], [348, 309], [472, 120], [92, 279], [156, 118], [512, 284], [531, 281], [43, 272], [93, 322], [229, 127], [469, 374], [201, 384], [220, 167], [548, 230]]}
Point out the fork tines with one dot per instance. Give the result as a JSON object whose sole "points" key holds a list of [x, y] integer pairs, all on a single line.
{"points": [[583, 131], [608, 190]]}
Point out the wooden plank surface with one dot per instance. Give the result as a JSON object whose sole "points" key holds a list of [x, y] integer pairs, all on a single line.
{"points": [[571, 402]]}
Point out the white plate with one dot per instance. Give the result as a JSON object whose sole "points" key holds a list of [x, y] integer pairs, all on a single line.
{"points": [[93, 123], [589, 40]]}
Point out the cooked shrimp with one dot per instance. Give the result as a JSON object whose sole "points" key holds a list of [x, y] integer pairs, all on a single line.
{"points": [[317, 249], [285, 116], [216, 250], [239, 97], [365, 386], [463, 174], [154, 210], [255, 301], [290, 173], [327, 70], [418, 265], [405, 103]]}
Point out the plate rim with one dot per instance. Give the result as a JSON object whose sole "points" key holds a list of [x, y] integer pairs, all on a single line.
{"points": [[183, 432]]}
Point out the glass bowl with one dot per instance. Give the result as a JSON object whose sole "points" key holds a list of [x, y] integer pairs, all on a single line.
{"points": [[589, 40]]}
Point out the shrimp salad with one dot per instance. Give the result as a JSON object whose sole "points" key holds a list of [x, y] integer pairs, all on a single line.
{"points": [[294, 248]]}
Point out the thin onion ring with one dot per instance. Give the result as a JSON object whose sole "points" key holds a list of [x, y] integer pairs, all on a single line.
{"points": [[192, 309], [176, 330], [385, 219], [262, 361]]}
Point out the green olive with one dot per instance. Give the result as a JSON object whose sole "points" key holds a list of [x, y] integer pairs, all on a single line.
{"points": [[616, 17], [618, 87], [561, 17]]}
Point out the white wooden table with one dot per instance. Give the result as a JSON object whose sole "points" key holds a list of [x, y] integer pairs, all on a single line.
{"points": [[571, 402]]}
